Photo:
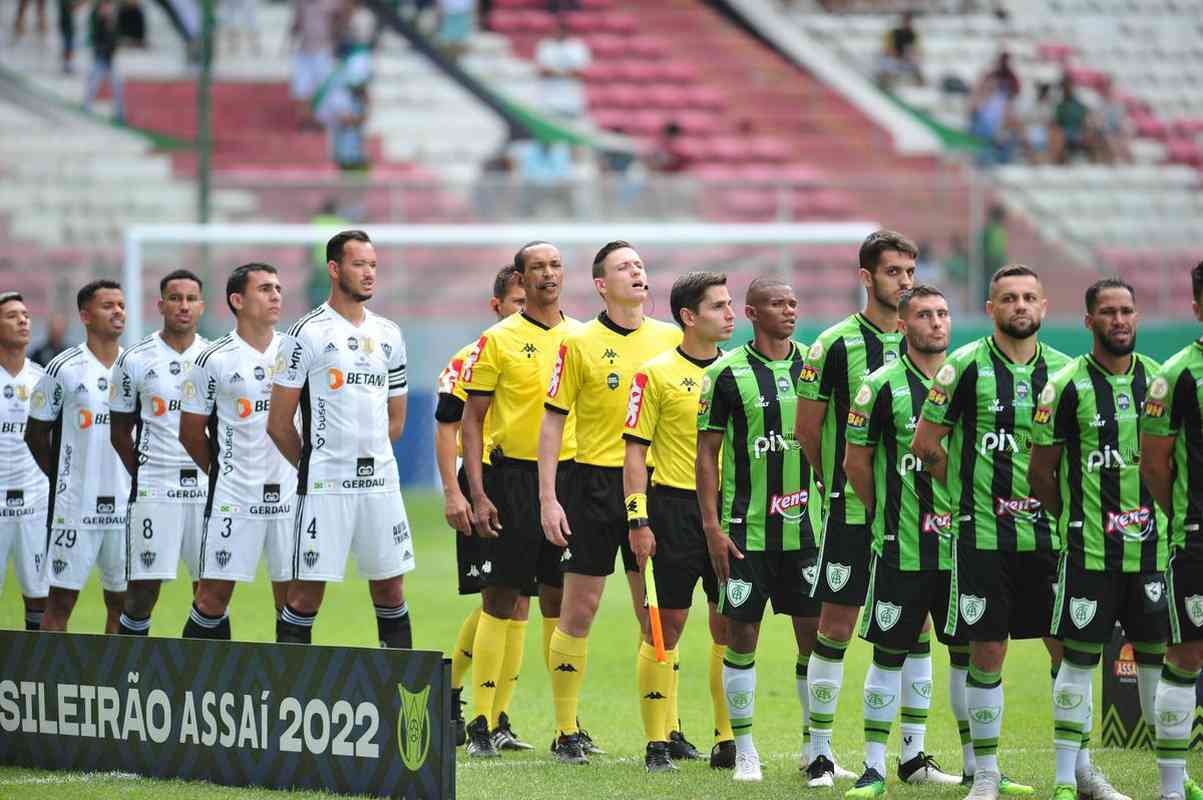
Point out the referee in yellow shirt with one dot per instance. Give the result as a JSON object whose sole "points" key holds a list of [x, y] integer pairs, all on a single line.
{"points": [[666, 522], [591, 376]]}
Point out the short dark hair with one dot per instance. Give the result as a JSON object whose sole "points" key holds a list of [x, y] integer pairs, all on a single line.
{"points": [[914, 293], [180, 275], [689, 289], [1013, 271], [599, 271], [89, 290], [882, 241], [520, 256], [8, 297], [334, 247], [1092, 293], [236, 283], [507, 276], [1196, 280]]}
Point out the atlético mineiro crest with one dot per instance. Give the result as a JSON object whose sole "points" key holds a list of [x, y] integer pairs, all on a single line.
{"points": [[148, 558], [310, 557], [222, 557]]}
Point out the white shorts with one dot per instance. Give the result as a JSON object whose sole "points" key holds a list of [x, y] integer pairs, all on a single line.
{"points": [[25, 539], [158, 535], [231, 548], [309, 72], [329, 526], [72, 554]]}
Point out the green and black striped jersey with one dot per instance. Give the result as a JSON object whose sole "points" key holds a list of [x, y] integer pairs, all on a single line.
{"points": [[911, 511], [1108, 518], [1173, 408], [989, 401], [835, 366], [766, 485]]}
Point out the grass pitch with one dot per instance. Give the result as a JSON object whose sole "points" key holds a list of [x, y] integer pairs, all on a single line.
{"points": [[609, 707]]}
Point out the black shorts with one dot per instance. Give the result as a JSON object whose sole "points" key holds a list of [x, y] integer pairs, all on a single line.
{"points": [[1089, 603], [898, 604], [520, 557], [681, 556], [1184, 577], [1000, 594], [467, 548], [843, 577], [597, 516], [782, 576]]}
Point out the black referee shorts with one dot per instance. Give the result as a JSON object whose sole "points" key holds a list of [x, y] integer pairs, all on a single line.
{"points": [[681, 558], [520, 557], [594, 504]]}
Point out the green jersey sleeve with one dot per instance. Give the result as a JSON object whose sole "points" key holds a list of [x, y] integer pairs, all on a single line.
{"points": [[866, 417], [1162, 414], [1056, 409], [950, 391], [715, 403], [826, 362]]}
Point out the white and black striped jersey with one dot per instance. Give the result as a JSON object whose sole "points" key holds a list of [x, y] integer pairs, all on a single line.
{"points": [[148, 378], [347, 374], [23, 487]]}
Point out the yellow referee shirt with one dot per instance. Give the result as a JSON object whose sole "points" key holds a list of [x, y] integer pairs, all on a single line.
{"points": [[662, 412], [592, 376], [513, 362], [451, 398]]}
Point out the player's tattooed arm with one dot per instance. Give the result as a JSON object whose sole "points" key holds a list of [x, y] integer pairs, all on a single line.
{"points": [[858, 466], [38, 440], [1157, 468], [121, 435], [808, 427], [928, 448], [1043, 476]]}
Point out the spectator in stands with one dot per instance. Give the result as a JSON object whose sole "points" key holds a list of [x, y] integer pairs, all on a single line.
{"points": [[314, 30], [240, 24], [131, 23], [546, 172], [1114, 129], [66, 29], [1004, 75], [993, 245], [990, 120], [105, 38], [19, 21], [341, 104], [457, 22], [561, 60], [666, 155], [56, 340], [900, 57], [185, 18], [1071, 132], [1034, 116]]}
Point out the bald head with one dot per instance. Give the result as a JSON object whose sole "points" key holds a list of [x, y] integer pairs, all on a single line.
{"points": [[761, 289]]}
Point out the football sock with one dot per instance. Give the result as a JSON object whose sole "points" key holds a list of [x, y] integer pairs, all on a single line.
{"points": [[1175, 713], [718, 698], [202, 626], [883, 686], [511, 666], [655, 682], [1071, 715], [916, 697], [984, 696], [958, 673], [461, 659], [132, 626], [488, 651], [294, 627], [393, 625], [1149, 659], [739, 686], [673, 717], [800, 668], [549, 628], [33, 620], [569, 655], [825, 675]]}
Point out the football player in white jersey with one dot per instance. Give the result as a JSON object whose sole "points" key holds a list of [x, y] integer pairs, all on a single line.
{"points": [[22, 484], [68, 434], [223, 425], [345, 368], [167, 498]]}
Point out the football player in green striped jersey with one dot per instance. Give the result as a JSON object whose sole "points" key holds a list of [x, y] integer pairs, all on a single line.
{"points": [[910, 570], [835, 366], [1171, 464], [1085, 470], [1005, 558]]}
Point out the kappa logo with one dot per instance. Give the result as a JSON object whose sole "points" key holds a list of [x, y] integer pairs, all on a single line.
{"points": [[413, 727], [1194, 609], [654, 695], [222, 557], [1154, 591], [688, 383], [838, 575], [887, 614], [878, 700], [565, 668], [741, 700], [530, 350], [738, 591], [1081, 611], [972, 607], [1067, 700], [310, 557], [473, 572], [985, 714], [610, 355], [148, 558]]}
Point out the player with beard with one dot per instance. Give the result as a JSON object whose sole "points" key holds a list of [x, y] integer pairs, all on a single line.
{"points": [[1171, 465], [344, 367], [983, 400], [1085, 469], [835, 366], [22, 484]]}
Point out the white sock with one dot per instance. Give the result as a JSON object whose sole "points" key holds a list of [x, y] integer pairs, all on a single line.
{"points": [[985, 702], [1083, 764], [800, 675], [1071, 711], [916, 701], [882, 689], [1147, 678], [1175, 712], [739, 686], [825, 680], [960, 712]]}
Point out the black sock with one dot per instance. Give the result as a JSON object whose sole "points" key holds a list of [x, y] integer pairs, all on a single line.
{"points": [[394, 627], [33, 620], [222, 631], [294, 627], [202, 626], [133, 626]]}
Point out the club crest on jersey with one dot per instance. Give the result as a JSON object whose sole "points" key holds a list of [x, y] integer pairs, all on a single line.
{"points": [[352, 343], [863, 395], [635, 401], [1081, 611], [147, 558], [946, 375], [102, 383], [39, 399], [1154, 590], [1048, 394], [1022, 391], [310, 557], [222, 557], [612, 380], [783, 385], [815, 352], [738, 591], [1123, 401], [260, 373], [59, 565], [1194, 609], [1159, 389], [387, 348], [838, 575], [887, 615], [972, 607], [9, 393]]}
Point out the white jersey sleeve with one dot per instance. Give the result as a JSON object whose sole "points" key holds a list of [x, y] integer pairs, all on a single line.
{"points": [[393, 344], [23, 487]]}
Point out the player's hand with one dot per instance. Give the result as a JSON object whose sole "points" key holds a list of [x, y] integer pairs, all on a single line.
{"points": [[457, 512], [722, 549], [555, 523], [643, 544], [485, 518]]}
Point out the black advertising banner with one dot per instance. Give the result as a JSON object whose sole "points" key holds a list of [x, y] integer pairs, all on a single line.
{"points": [[342, 719], [1122, 724]]}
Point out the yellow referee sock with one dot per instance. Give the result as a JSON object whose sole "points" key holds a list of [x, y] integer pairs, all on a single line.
{"points": [[673, 718], [718, 698], [549, 627], [515, 644], [655, 685], [568, 656], [461, 659], [488, 651]]}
